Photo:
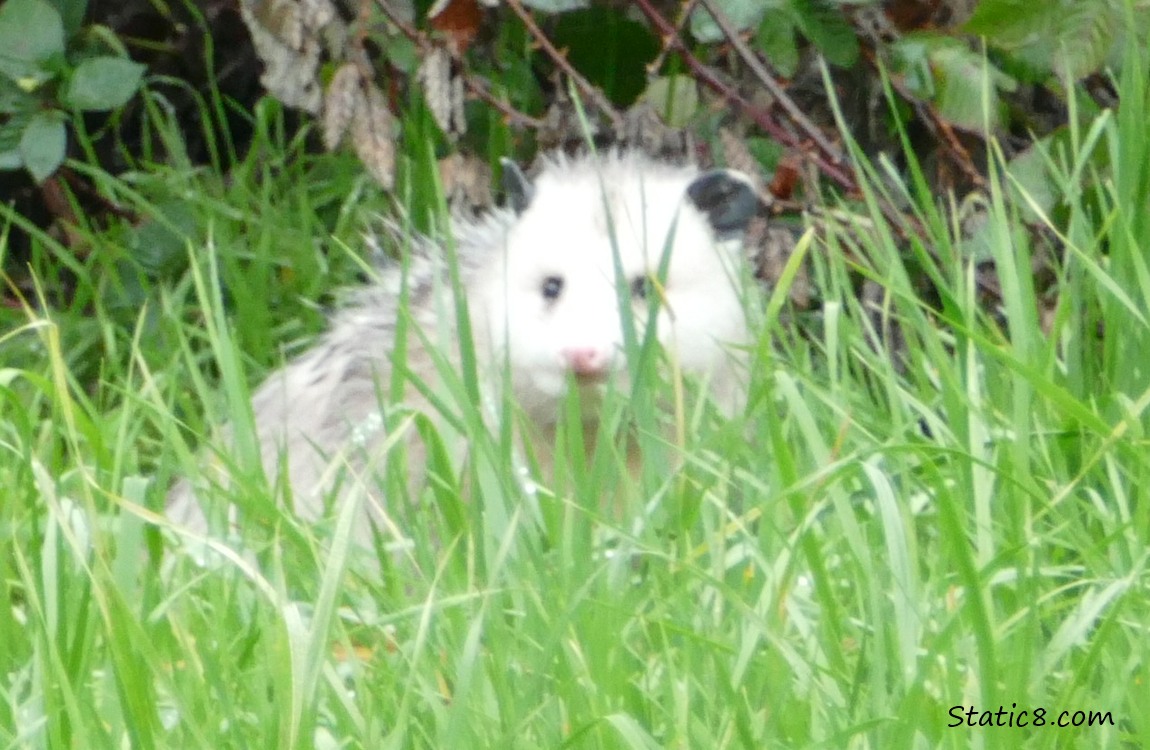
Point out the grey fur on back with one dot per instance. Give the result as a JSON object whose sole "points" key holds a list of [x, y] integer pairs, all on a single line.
{"points": [[319, 419], [322, 411]]}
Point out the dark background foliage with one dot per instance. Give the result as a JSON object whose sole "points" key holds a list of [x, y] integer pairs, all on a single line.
{"points": [[744, 83]]}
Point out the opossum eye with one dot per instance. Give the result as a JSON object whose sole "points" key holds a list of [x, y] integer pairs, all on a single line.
{"points": [[552, 288], [640, 286]]}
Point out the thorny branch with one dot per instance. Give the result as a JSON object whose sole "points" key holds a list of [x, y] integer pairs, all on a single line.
{"points": [[591, 92], [665, 49], [828, 157], [474, 86], [808, 128], [957, 153], [835, 171]]}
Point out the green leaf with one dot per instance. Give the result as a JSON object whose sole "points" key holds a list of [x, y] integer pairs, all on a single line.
{"points": [[14, 99], [10, 160], [824, 24], [608, 49], [1075, 36], [675, 98], [10, 132], [43, 144], [102, 83], [160, 241], [72, 12], [743, 15], [959, 83], [966, 97], [31, 34], [776, 38], [12, 129], [1035, 171], [1085, 34], [910, 61], [1031, 176], [1011, 23]]}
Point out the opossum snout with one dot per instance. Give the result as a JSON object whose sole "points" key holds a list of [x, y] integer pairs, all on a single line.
{"points": [[587, 362]]}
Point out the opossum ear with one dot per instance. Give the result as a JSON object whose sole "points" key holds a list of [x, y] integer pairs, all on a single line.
{"points": [[726, 198], [519, 189]]}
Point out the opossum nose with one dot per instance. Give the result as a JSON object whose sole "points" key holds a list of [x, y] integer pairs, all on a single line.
{"points": [[587, 361]]}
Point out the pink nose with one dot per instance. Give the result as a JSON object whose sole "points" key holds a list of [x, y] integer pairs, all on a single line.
{"points": [[586, 360]]}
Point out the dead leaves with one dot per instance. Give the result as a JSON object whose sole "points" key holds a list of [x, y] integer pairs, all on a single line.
{"points": [[287, 35], [354, 105], [443, 91]]}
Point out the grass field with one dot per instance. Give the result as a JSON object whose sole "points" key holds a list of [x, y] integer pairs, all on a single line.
{"points": [[890, 542]]}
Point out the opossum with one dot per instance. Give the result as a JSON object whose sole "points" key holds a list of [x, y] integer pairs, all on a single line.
{"points": [[542, 285]]}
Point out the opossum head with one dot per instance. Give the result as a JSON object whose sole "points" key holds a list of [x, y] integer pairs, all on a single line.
{"points": [[589, 231]]}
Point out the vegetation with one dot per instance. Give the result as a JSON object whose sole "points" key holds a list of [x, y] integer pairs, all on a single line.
{"points": [[39, 81], [935, 504]]}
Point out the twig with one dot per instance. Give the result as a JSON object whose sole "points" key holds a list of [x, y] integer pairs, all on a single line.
{"points": [[474, 86], [830, 160], [958, 153], [955, 151], [808, 128], [836, 172], [479, 91], [665, 49], [590, 91]]}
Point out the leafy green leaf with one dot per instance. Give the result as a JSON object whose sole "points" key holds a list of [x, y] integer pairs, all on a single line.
{"points": [[824, 24], [72, 12], [766, 152], [676, 98], [1032, 178], [31, 34], [967, 97], [1085, 33], [960, 83], [10, 132], [13, 98], [776, 38], [10, 160], [743, 15], [1011, 23], [1037, 186], [12, 129], [911, 62], [609, 49], [161, 241], [1075, 36], [103, 83], [43, 144]]}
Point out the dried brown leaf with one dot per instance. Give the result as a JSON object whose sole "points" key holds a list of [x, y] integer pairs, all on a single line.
{"points": [[458, 20], [788, 175], [287, 36], [340, 102], [443, 89], [373, 135]]}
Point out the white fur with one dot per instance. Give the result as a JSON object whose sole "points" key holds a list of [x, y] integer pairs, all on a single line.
{"points": [[322, 409]]}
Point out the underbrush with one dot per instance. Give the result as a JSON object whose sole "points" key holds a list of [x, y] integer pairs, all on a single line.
{"points": [[923, 507]]}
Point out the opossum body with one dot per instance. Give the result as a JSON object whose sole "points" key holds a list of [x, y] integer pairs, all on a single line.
{"points": [[542, 285]]}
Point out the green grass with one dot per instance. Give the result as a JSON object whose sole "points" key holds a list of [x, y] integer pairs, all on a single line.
{"points": [[878, 539]]}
